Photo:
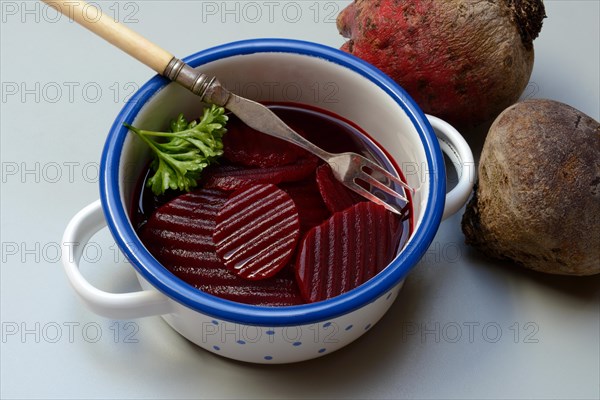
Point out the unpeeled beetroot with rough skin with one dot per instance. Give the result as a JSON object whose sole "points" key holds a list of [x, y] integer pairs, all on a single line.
{"points": [[537, 199], [462, 60]]}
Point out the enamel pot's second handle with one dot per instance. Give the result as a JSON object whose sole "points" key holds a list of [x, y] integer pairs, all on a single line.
{"points": [[456, 148], [112, 305]]}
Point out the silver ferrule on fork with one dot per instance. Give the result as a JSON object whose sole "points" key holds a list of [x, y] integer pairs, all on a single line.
{"points": [[208, 88]]}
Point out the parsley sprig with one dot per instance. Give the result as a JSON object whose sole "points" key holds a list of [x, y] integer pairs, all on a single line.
{"points": [[182, 154]]}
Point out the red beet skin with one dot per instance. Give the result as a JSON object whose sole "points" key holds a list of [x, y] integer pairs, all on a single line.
{"points": [[464, 61], [346, 250], [257, 231]]}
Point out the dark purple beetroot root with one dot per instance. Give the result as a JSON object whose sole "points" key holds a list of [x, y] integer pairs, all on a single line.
{"points": [[180, 235], [346, 250], [257, 231], [233, 177], [336, 196], [246, 146]]}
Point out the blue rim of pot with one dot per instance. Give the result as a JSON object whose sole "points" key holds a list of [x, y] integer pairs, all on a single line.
{"points": [[163, 280]]}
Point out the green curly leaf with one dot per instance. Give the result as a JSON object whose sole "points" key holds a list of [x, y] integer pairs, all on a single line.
{"points": [[182, 154]]}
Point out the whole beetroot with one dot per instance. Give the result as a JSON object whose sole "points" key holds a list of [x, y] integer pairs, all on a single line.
{"points": [[462, 60], [537, 201]]}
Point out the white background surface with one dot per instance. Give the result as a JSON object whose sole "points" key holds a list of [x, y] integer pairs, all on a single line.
{"points": [[463, 326]]}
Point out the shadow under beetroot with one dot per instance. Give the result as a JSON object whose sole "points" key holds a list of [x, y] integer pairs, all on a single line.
{"points": [[585, 288]]}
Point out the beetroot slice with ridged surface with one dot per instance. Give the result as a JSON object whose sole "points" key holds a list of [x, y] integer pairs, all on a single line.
{"points": [[306, 196], [280, 290], [336, 196], [347, 250], [233, 177], [180, 231], [246, 146], [179, 234], [257, 231]]}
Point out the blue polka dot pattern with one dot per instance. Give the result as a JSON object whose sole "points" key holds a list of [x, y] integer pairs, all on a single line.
{"points": [[310, 339]]}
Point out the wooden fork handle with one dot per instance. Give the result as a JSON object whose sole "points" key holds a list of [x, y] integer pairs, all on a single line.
{"points": [[119, 35]]}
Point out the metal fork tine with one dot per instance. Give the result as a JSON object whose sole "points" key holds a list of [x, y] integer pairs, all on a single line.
{"points": [[365, 193], [372, 181], [375, 167]]}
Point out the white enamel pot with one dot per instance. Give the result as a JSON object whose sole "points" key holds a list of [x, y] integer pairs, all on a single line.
{"points": [[271, 70]]}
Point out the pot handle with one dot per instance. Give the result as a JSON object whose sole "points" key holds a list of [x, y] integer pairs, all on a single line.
{"points": [[79, 231], [456, 148]]}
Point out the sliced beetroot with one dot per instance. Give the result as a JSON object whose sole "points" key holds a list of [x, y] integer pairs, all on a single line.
{"points": [[257, 231], [180, 231], [233, 177], [179, 234], [306, 196], [281, 290], [246, 146], [346, 250], [336, 196]]}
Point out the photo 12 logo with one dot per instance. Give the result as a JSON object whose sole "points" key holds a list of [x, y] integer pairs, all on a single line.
{"points": [[317, 92], [53, 12], [226, 332], [51, 252], [67, 92], [255, 12], [49, 172], [69, 332], [469, 332], [420, 172]]}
